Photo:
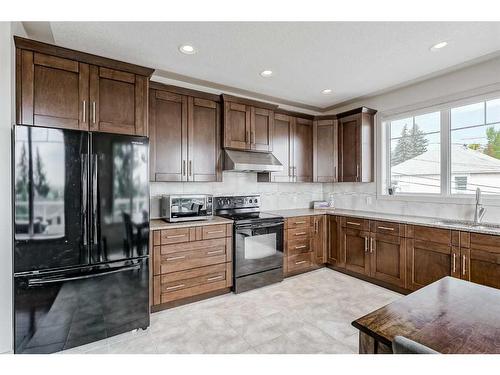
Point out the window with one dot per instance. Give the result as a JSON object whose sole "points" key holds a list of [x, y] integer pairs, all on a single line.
{"points": [[448, 151], [475, 147], [415, 154]]}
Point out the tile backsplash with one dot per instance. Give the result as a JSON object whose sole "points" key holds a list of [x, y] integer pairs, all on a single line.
{"points": [[274, 195], [277, 195]]}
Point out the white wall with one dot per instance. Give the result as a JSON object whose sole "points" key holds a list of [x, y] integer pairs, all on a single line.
{"points": [[7, 118], [476, 79]]}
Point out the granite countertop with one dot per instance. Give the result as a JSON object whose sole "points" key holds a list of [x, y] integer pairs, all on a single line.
{"points": [[419, 220], [157, 224]]}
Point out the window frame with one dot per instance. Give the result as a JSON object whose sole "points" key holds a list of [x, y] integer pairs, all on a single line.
{"points": [[384, 152]]}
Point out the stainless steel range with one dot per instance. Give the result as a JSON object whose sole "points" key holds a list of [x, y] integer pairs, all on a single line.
{"points": [[258, 242]]}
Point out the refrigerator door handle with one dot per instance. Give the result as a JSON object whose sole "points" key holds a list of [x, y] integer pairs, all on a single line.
{"points": [[37, 282], [85, 171], [94, 199]]}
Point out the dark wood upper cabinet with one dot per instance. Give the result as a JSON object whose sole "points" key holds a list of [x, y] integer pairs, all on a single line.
{"points": [[292, 145], [168, 136], [63, 88], [283, 146], [118, 101], [51, 91], [261, 129], [248, 124], [356, 148], [302, 150], [204, 151], [184, 136], [325, 150]]}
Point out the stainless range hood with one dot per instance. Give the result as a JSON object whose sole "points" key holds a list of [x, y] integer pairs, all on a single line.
{"points": [[245, 161]]}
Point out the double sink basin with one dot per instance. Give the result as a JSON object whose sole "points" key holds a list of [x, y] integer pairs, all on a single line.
{"points": [[469, 224]]}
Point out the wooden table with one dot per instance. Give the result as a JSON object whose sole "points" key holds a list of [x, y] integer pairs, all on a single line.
{"points": [[449, 316]]}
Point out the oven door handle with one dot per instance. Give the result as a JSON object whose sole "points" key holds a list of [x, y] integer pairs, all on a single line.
{"points": [[257, 226]]}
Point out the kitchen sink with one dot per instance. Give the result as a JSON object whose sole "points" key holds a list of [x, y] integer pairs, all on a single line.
{"points": [[468, 223]]}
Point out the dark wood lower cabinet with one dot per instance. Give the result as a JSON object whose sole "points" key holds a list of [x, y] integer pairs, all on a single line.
{"points": [[480, 259], [355, 247], [388, 259], [335, 256]]}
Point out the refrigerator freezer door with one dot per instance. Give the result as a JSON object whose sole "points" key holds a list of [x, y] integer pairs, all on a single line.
{"points": [[50, 198], [55, 311], [119, 196]]}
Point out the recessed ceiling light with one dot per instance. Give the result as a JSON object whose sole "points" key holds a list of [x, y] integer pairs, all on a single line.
{"points": [[266, 73], [187, 49], [438, 46], [326, 91]]}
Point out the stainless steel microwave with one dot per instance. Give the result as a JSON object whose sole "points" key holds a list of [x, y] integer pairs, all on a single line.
{"points": [[186, 207]]}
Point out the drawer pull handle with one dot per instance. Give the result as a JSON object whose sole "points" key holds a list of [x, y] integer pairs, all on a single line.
{"points": [[300, 222], [385, 228], [301, 247], [215, 278], [454, 263], [300, 233], [464, 265], [177, 236], [175, 287], [301, 262], [353, 223], [176, 258], [215, 231], [215, 252]]}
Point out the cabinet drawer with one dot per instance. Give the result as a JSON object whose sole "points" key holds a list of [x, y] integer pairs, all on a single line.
{"points": [[194, 254], [299, 246], [299, 262], [298, 222], [298, 233], [213, 231], [386, 227], [169, 236], [188, 283], [356, 223]]}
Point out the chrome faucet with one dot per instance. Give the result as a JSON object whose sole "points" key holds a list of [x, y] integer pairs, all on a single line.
{"points": [[480, 210]]}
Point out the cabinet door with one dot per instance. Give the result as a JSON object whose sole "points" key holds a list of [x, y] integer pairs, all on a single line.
{"points": [[481, 263], [388, 259], [430, 261], [335, 255], [236, 126], [203, 140], [168, 138], [52, 91], [319, 239], [302, 147], [325, 145], [118, 101], [349, 148], [355, 247], [262, 121], [282, 146]]}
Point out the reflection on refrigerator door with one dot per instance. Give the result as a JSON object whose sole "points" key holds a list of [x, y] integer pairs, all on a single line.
{"points": [[60, 310], [120, 226]]}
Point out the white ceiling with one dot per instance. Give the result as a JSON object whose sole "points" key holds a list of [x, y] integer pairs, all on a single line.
{"points": [[353, 58]]}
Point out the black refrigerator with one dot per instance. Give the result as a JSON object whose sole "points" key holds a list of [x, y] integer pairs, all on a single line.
{"points": [[81, 235]]}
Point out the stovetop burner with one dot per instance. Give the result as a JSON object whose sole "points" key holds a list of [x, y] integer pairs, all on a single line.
{"points": [[242, 209]]}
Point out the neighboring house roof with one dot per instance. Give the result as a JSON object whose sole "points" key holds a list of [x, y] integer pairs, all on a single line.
{"points": [[465, 161]]}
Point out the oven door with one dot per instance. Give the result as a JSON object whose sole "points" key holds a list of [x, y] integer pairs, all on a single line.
{"points": [[258, 248]]}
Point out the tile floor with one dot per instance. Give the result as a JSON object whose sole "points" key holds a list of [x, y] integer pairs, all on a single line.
{"points": [[309, 313]]}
